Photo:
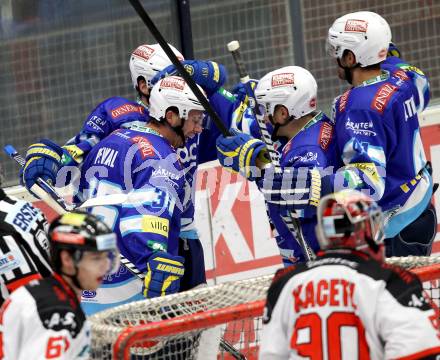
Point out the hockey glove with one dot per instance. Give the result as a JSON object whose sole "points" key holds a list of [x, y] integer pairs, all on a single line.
{"points": [[245, 92], [208, 74], [239, 153], [43, 160], [294, 189], [393, 51], [72, 155], [163, 274]]}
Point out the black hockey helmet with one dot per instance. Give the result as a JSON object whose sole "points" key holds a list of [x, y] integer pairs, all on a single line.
{"points": [[77, 232]]}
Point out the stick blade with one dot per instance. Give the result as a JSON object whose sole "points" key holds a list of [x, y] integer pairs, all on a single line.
{"points": [[113, 199]]}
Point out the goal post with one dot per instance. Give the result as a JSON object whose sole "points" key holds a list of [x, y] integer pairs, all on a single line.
{"points": [[172, 327]]}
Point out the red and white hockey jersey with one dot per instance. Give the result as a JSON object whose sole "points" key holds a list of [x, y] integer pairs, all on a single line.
{"points": [[44, 320], [345, 305]]}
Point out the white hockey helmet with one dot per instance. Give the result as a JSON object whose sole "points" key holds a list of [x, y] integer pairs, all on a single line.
{"points": [[173, 91], [291, 86], [148, 60], [365, 33]]}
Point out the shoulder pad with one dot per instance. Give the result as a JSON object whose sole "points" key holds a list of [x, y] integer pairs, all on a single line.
{"points": [[56, 309]]}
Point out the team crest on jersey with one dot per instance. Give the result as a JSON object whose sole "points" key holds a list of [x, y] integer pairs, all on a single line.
{"points": [[353, 25], [144, 146], [382, 97], [283, 79], [173, 82], [325, 135], [127, 109], [144, 52]]}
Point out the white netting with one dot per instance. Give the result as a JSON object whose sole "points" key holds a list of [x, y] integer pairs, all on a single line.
{"points": [[236, 307]]}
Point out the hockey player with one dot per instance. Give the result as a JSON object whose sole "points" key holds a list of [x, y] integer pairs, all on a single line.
{"points": [[45, 158], [377, 126], [287, 96], [348, 303], [24, 247], [44, 319], [144, 164]]}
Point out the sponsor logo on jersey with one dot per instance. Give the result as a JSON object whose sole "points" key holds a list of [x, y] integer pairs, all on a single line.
{"points": [[156, 246], [325, 135], [24, 218], [401, 75], [144, 52], [353, 25], [144, 146], [127, 109], [161, 172], [282, 79], [309, 157], [155, 225], [360, 128], [9, 261], [173, 82], [382, 97], [315, 187], [167, 175], [369, 169], [60, 321], [88, 294], [343, 100]]}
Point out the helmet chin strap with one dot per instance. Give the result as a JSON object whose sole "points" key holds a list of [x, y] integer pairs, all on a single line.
{"points": [[277, 126], [347, 71], [76, 259]]}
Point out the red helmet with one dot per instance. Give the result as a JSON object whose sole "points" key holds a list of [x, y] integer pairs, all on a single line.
{"points": [[349, 219]]}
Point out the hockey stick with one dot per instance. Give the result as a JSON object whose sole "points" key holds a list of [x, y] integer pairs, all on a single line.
{"points": [[291, 222], [50, 196], [182, 72]]}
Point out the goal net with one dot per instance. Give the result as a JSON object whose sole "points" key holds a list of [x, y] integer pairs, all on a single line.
{"points": [[216, 322]]}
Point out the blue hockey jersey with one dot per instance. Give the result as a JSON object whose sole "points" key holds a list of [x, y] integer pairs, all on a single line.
{"points": [[378, 136], [117, 112], [313, 147], [111, 114], [144, 165]]}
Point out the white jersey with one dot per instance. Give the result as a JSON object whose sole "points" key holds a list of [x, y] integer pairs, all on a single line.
{"points": [[345, 305], [44, 320], [24, 247]]}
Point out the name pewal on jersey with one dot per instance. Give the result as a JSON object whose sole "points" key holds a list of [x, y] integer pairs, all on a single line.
{"points": [[143, 164]]}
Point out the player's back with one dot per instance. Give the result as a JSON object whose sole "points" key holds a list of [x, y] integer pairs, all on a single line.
{"points": [[377, 128], [143, 164], [346, 305]]}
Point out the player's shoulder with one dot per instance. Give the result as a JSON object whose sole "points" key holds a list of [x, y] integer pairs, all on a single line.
{"points": [[56, 305], [117, 107], [317, 135], [374, 98], [397, 65]]}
